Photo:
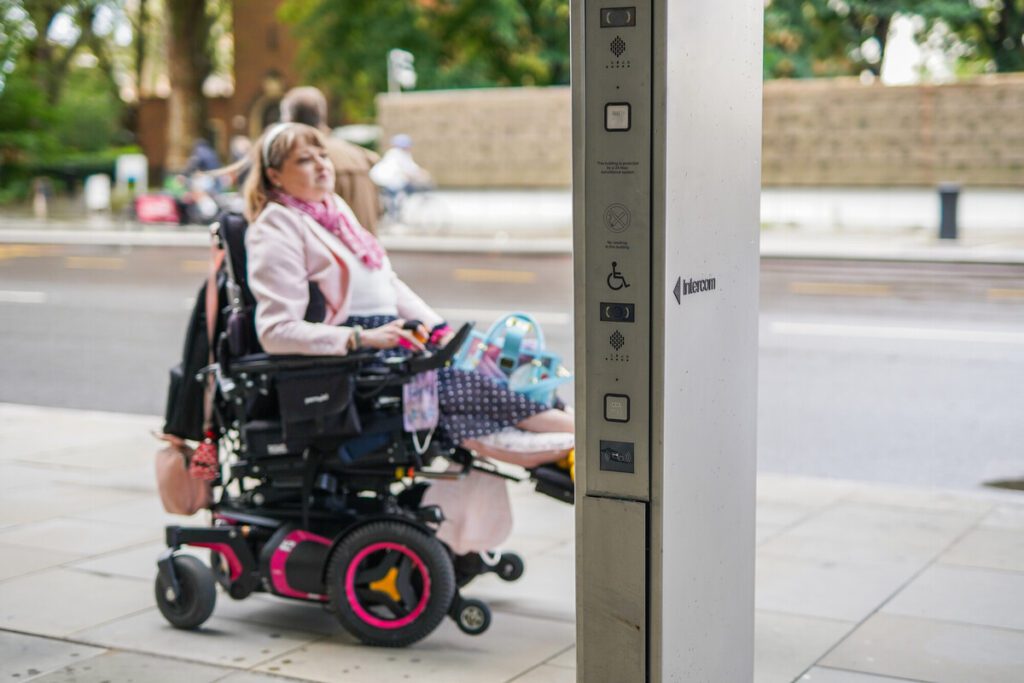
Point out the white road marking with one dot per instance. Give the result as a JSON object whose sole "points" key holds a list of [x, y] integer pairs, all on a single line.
{"points": [[12, 297], [887, 332], [485, 316]]}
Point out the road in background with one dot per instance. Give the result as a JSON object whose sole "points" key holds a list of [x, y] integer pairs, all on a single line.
{"points": [[895, 372]]}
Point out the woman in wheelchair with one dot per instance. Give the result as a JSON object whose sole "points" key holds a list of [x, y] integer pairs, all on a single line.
{"points": [[301, 233], [324, 287]]}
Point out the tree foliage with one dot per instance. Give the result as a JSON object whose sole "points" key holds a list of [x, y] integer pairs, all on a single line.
{"points": [[58, 92], [457, 43], [995, 33], [836, 37]]}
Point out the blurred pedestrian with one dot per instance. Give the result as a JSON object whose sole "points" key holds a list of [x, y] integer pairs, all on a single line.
{"points": [[42, 191], [398, 175], [352, 163]]}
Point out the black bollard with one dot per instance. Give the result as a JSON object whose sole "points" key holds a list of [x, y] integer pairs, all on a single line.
{"points": [[949, 193]]}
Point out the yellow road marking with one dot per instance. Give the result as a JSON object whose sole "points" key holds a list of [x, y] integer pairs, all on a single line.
{"points": [[514, 277], [12, 251], [195, 266], [839, 289], [1002, 294], [94, 262]]}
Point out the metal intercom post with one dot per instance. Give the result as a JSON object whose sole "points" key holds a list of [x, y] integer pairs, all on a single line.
{"points": [[666, 181]]}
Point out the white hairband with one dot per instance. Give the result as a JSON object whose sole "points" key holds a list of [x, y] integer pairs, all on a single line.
{"points": [[272, 134]]}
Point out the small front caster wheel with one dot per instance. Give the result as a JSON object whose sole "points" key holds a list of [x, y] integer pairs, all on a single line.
{"points": [[510, 567], [473, 617], [198, 593]]}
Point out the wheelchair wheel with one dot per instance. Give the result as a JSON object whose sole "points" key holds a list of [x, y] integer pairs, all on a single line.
{"points": [[510, 567], [198, 594], [473, 617], [390, 584]]}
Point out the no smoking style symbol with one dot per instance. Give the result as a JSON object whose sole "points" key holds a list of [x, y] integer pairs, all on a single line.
{"points": [[617, 218]]}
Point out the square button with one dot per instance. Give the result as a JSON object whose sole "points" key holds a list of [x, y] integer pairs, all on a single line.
{"points": [[616, 407], [616, 116]]}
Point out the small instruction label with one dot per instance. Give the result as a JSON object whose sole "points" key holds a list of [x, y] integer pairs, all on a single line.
{"points": [[618, 167]]}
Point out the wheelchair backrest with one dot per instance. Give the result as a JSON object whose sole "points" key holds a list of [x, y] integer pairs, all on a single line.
{"points": [[239, 325]]}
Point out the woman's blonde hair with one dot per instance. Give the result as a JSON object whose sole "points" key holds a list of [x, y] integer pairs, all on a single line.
{"points": [[270, 151]]}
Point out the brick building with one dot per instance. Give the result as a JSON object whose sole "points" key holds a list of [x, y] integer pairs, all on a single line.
{"points": [[263, 71]]}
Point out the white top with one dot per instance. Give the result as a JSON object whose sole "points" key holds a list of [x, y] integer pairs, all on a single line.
{"points": [[373, 291]]}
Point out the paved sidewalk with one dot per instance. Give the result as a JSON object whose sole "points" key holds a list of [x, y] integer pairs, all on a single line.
{"points": [[856, 583], [832, 224]]}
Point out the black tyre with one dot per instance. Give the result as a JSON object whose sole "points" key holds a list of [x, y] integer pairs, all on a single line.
{"points": [[390, 584], [472, 616], [510, 567], [198, 594]]}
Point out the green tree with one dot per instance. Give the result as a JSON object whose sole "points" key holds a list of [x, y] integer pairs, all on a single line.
{"points": [[837, 37], [995, 33], [457, 43]]}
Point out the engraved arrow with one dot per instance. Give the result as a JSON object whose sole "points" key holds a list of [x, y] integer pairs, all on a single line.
{"points": [[679, 283]]}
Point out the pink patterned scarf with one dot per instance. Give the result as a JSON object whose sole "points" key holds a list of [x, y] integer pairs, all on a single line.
{"points": [[358, 240]]}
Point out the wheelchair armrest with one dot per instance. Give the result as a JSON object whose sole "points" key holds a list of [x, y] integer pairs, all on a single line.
{"points": [[442, 357], [262, 362]]}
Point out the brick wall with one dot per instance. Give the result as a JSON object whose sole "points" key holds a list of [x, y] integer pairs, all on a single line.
{"points": [[816, 133]]}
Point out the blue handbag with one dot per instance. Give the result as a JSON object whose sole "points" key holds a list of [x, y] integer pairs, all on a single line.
{"points": [[512, 352]]}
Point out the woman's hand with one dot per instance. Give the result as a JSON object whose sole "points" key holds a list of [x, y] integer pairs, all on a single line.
{"points": [[390, 335]]}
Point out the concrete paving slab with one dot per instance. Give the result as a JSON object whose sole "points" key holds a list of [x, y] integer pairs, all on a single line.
{"points": [[20, 560], [786, 645], [820, 674], [812, 492], [85, 537], [871, 533], [764, 532], [144, 511], [566, 660], [547, 589], [513, 646], [783, 513], [846, 591], [15, 475], [547, 674], [116, 451], [1010, 517], [966, 595], [988, 548], [58, 602], [932, 651], [222, 642], [254, 677], [924, 499], [130, 667], [22, 427], [48, 501], [137, 562], [24, 657], [273, 611]]}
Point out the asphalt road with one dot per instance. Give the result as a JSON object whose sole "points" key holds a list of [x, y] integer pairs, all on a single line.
{"points": [[908, 373]]}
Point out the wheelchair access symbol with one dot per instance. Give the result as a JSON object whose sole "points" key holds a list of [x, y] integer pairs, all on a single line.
{"points": [[615, 279]]}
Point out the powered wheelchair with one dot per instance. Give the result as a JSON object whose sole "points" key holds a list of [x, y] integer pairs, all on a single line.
{"points": [[317, 487]]}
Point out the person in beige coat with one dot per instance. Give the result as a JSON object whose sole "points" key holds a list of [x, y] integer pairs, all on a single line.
{"points": [[301, 232], [352, 163]]}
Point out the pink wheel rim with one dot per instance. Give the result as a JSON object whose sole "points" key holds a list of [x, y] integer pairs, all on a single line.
{"points": [[353, 599]]}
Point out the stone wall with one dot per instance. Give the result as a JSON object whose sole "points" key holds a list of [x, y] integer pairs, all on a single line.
{"points": [[499, 137], [816, 133]]}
